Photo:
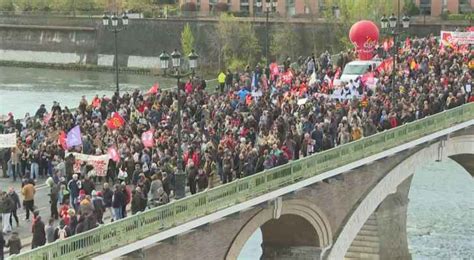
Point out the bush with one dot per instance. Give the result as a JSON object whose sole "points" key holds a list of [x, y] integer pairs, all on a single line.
{"points": [[459, 17], [188, 7]]}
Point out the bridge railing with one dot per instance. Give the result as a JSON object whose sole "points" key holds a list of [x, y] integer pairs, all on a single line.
{"points": [[153, 221]]}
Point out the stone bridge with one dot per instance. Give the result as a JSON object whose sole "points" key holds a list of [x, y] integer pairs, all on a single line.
{"points": [[359, 214], [349, 202]]}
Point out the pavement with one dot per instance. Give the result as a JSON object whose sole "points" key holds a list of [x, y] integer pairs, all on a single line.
{"points": [[41, 204]]}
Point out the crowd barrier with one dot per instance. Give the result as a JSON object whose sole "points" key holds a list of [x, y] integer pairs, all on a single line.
{"points": [[153, 221]]}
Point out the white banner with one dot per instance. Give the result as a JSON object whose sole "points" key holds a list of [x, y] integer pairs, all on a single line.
{"points": [[99, 162], [459, 38], [8, 140]]}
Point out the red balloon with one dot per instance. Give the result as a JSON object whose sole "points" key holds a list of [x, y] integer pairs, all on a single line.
{"points": [[364, 35]]}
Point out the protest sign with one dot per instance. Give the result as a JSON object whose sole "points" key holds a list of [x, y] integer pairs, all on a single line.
{"points": [[8, 140], [99, 162]]}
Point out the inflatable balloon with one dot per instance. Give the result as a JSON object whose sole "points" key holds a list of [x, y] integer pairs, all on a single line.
{"points": [[364, 35]]}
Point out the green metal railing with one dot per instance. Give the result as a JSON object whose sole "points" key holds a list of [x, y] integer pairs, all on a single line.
{"points": [[153, 221]]}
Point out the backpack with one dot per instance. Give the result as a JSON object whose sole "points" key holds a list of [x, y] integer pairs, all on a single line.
{"points": [[62, 234], [98, 205]]}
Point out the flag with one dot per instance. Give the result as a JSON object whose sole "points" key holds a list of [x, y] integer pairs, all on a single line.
{"points": [[116, 121], [47, 117], [113, 154], [368, 78], [147, 138], [154, 89], [274, 69], [386, 66], [96, 102], [407, 46], [62, 140], [74, 137], [387, 44]]}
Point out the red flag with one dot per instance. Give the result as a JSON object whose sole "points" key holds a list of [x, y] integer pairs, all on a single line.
{"points": [[47, 117], [274, 69], [147, 138], [113, 154], [386, 66], [96, 102], [287, 77], [116, 121], [154, 89], [62, 140]]}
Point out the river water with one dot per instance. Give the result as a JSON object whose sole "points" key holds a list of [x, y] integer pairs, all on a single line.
{"points": [[441, 208]]}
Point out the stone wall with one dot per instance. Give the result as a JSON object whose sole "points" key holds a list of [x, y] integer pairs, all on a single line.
{"points": [[84, 40]]}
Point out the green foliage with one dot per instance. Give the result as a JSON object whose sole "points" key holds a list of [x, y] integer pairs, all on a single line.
{"points": [[460, 17], [237, 40], [187, 40], [7, 5], [138, 6], [285, 42], [410, 8]]}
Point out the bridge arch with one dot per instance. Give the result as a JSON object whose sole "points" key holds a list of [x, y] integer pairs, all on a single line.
{"points": [[459, 148], [300, 224]]}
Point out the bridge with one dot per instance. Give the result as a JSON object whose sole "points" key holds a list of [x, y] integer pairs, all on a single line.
{"points": [[349, 202]]}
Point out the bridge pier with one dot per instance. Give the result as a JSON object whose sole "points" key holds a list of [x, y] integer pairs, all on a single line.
{"points": [[391, 218]]}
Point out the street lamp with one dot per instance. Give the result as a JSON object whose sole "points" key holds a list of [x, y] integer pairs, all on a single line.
{"points": [[180, 177], [393, 23], [115, 24], [384, 22], [269, 5], [406, 21]]}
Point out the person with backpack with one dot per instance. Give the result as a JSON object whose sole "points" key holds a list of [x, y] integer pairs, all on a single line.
{"points": [[14, 243], [99, 206], [39, 235], [107, 195], [74, 185], [62, 231], [6, 207]]}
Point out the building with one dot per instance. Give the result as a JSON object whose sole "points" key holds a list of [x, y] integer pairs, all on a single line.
{"points": [[305, 7], [437, 7]]}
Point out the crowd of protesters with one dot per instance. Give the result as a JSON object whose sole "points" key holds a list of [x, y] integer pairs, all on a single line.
{"points": [[257, 119]]}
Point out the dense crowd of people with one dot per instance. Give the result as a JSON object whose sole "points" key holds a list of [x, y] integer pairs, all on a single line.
{"points": [[257, 119]]}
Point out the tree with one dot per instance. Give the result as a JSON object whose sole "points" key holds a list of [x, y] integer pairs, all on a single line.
{"points": [[351, 12], [7, 5], [285, 42], [187, 40], [236, 42]]}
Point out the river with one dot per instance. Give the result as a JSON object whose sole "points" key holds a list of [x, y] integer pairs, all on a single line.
{"points": [[441, 207]]}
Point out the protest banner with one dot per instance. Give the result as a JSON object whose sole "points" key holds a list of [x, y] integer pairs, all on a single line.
{"points": [[8, 140], [450, 38], [99, 162]]}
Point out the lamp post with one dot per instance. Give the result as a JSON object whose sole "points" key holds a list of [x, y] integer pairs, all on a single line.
{"points": [[180, 177], [115, 24], [269, 5], [393, 23]]}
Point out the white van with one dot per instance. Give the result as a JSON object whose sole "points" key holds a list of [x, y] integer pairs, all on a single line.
{"points": [[355, 69]]}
